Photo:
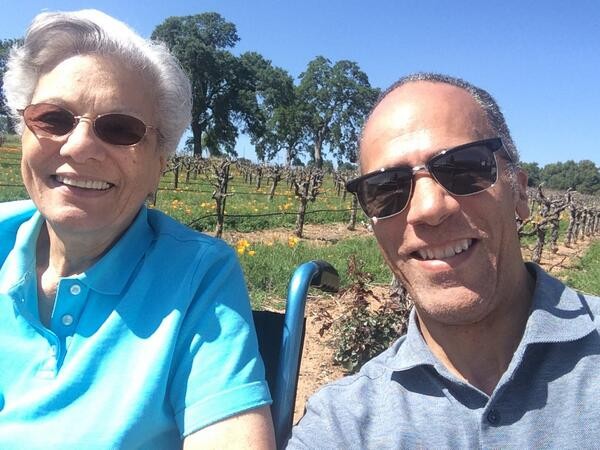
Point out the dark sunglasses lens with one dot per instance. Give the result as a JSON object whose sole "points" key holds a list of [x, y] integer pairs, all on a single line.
{"points": [[120, 129], [465, 171], [386, 193], [48, 120]]}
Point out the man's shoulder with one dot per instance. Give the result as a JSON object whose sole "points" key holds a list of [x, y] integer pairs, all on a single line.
{"points": [[372, 379], [354, 410], [592, 301], [554, 287]]}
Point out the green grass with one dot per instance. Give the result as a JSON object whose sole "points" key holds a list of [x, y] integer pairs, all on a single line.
{"points": [[585, 276], [12, 140], [268, 267], [11, 186]]}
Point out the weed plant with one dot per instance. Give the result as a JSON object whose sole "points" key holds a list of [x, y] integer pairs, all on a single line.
{"points": [[370, 324]]}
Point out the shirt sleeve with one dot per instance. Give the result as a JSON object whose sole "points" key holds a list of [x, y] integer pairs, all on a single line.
{"points": [[218, 370], [320, 427]]}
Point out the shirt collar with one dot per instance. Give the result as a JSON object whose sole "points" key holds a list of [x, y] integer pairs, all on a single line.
{"points": [[19, 265], [108, 275], [558, 314], [413, 351]]}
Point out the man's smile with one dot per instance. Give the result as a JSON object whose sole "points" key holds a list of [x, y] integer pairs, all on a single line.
{"points": [[443, 251]]}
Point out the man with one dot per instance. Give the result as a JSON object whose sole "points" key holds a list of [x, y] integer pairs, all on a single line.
{"points": [[497, 353]]}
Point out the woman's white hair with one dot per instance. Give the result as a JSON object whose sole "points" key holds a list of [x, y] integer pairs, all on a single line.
{"points": [[56, 36]]}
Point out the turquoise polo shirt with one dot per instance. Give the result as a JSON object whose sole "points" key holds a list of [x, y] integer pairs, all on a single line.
{"points": [[150, 344], [548, 398]]}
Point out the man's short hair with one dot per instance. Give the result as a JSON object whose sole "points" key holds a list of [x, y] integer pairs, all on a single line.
{"points": [[482, 97]]}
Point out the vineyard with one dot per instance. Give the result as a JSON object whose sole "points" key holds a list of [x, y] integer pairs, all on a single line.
{"points": [[277, 217], [263, 210]]}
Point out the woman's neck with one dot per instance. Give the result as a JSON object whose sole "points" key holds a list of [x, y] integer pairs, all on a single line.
{"points": [[60, 256], [66, 254]]}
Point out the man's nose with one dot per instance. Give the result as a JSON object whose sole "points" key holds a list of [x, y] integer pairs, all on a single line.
{"points": [[82, 144], [430, 203]]}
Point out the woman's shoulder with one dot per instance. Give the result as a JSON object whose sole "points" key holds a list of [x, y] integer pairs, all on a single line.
{"points": [[180, 250], [13, 214], [166, 227]]}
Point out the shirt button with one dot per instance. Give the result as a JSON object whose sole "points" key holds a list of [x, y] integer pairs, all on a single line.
{"points": [[53, 349], [493, 417], [75, 289], [67, 320]]}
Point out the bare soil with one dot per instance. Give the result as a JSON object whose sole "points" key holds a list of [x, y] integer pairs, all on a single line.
{"points": [[312, 233], [317, 366]]}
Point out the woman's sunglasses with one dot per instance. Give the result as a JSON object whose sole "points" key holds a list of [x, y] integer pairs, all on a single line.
{"points": [[464, 170], [48, 120]]}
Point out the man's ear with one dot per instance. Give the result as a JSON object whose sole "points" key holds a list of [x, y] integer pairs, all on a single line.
{"points": [[521, 200]]}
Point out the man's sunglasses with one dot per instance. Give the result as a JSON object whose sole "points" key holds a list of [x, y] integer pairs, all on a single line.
{"points": [[51, 121], [464, 170]]}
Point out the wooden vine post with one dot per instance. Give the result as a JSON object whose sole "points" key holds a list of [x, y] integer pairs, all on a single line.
{"points": [[307, 184], [274, 173], [353, 212], [220, 183], [259, 175]]}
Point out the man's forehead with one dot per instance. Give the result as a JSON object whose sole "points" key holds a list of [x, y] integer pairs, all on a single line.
{"points": [[420, 110]]}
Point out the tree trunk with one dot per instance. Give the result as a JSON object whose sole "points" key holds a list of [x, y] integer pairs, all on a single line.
{"points": [[317, 155], [197, 130]]}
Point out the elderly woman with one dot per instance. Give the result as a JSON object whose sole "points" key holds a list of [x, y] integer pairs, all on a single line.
{"points": [[119, 328]]}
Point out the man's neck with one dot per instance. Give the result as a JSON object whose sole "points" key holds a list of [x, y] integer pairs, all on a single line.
{"points": [[481, 352]]}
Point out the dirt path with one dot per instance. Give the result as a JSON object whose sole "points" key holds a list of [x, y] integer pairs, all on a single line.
{"points": [[313, 233], [317, 367]]}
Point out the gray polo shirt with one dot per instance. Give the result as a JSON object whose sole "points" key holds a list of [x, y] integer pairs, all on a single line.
{"points": [[405, 398]]}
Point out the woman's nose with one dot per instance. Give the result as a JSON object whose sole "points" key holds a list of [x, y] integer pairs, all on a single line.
{"points": [[82, 144]]}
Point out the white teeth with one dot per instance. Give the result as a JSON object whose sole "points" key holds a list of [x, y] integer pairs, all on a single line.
{"points": [[85, 184], [446, 251]]}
